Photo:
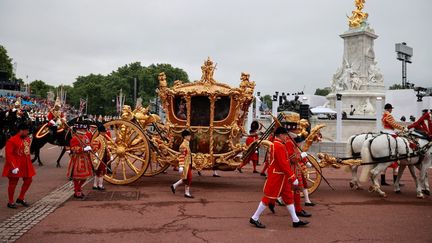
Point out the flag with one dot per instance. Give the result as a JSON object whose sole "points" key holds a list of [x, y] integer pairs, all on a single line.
{"points": [[83, 104]]}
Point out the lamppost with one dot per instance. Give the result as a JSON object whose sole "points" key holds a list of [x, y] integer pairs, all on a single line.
{"points": [[404, 54], [338, 117], [275, 104], [378, 108]]}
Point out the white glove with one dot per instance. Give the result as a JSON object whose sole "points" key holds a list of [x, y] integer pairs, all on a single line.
{"points": [[15, 171], [111, 158], [97, 155], [87, 148], [303, 155], [295, 183], [52, 122], [181, 169], [405, 129], [309, 165]]}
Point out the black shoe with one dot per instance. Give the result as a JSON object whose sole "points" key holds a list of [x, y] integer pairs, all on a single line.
{"points": [[188, 196], [383, 181], [214, 175], [255, 172], [12, 205], [95, 188], [239, 170], [311, 204], [199, 173], [172, 189], [257, 223], [272, 208], [303, 214], [101, 188], [81, 196], [263, 174], [22, 202], [300, 224]]}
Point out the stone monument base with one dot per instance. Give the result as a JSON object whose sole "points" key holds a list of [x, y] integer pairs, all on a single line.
{"points": [[363, 101]]}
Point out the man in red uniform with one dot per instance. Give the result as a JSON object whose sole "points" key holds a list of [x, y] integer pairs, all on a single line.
{"points": [[102, 158], [80, 166], [297, 161], [253, 136], [280, 180], [56, 117], [18, 165]]}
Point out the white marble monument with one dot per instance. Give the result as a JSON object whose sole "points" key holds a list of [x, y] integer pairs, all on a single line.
{"points": [[358, 80]]}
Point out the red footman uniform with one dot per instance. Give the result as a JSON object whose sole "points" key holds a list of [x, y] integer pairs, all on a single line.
{"points": [[254, 155], [18, 165], [80, 166], [280, 175]]}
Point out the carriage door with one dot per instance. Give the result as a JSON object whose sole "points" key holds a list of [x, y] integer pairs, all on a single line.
{"points": [[200, 124]]}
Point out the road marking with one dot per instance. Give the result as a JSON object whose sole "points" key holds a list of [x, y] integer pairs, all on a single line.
{"points": [[16, 226], [52, 147]]}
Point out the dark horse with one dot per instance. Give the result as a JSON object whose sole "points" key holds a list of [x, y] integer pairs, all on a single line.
{"points": [[61, 138]]}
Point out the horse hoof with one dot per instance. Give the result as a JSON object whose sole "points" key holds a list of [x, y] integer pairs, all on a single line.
{"points": [[351, 185], [420, 196], [427, 192], [40, 164], [398, 192], [58, 166], [371, 189], [384, 195]]}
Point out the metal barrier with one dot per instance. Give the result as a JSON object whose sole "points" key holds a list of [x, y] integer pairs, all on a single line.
{"points": [[333, 148]]}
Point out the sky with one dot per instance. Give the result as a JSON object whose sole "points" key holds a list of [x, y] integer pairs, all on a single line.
{"points": [[285, 45]]}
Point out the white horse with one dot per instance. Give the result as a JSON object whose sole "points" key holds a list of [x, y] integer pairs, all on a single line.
{"points": [[353, 150], [384, 146]]}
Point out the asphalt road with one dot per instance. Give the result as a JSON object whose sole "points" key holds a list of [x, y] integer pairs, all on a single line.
{"points": [[147, 211]]}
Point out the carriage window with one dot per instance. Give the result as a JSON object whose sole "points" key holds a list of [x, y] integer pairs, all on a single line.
{"points": [[180, 110], [222, 108], [200, 111]]}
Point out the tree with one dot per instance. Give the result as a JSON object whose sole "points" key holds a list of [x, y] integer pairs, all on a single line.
{"points": [[40, 89], [323, 92], [396, 86], [267, 99], [6, 65], [102, 90]]}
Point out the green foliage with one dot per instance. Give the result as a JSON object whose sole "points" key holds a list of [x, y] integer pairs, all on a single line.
{"points": [[323, 92], [267, 99], [6, 63], [102, 90], [396, 86], [40, 89]]}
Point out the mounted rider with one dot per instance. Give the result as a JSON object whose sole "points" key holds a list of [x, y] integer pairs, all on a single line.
{"points": [[389, 123], [56, 118], [390, 126]]}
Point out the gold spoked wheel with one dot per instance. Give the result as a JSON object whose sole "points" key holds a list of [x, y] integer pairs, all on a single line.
{"points": [[130, 152], [313, 177]]}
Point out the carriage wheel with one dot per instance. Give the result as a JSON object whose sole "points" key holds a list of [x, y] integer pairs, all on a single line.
{"points": [[155, 167], [130, 152], [313, 177]]}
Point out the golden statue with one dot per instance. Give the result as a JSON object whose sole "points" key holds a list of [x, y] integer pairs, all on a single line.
{"points": [[208, 71], [358, 16]]}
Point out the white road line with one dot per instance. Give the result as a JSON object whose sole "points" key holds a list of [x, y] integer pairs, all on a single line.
{"points": [[52, 147]]}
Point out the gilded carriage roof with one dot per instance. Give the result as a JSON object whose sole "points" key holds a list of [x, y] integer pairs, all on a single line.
{"points": [[207, 85]]}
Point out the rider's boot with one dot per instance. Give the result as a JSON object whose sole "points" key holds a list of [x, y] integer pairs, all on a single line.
{"points": [[383, 182]]}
